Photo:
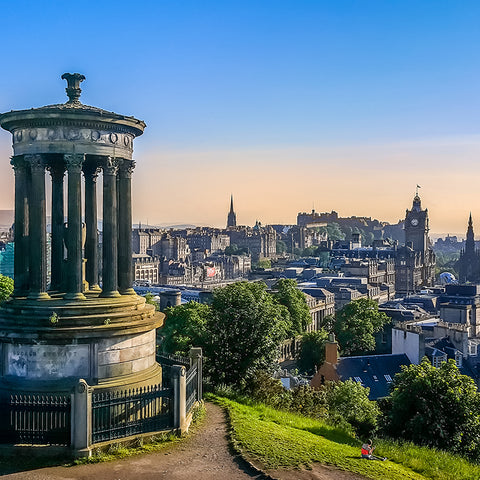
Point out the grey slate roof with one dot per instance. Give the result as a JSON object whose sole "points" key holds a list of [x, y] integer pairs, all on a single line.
{"points": [[374, 371]]}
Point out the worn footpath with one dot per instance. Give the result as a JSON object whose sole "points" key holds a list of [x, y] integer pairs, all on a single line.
{"points": [[205, 455]]}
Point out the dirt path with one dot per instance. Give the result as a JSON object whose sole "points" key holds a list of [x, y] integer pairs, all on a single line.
{"points": [[205, 455]]}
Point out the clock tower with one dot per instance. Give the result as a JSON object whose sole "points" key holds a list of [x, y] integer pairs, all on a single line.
{"points": [[416, 226]]}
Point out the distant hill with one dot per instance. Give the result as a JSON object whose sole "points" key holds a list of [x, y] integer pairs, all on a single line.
{"points": [[165, 226]]}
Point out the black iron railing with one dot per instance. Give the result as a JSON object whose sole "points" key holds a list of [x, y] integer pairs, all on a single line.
{"points": [[169, 359], [130, 412], [191, 394], [32, 418]]}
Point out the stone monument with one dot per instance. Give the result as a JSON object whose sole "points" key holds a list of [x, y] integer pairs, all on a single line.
{"points": [[76, 327]]}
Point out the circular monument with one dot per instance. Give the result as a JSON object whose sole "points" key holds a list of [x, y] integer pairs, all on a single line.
{"points": [[69, 325]]}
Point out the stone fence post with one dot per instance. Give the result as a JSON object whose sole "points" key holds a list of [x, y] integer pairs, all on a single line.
{"points": [[196, 358], [179, 397], [81, 418]]}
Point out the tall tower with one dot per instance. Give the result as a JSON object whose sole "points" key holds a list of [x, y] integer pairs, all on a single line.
{"points": [[416, 226], [468, 264], [470, 240], [232, 217]]}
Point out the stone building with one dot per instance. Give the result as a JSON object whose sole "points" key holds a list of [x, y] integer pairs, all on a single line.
{"points": [[415, 262], [146, 269], [207, 239], [260, 241], [468, 265]]}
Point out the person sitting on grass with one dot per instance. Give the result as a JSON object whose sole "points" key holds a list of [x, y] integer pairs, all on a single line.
{"points": [[367, 451]]}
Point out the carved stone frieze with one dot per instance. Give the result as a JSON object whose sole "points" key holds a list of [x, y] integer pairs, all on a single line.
{"points": [[61, 133]]}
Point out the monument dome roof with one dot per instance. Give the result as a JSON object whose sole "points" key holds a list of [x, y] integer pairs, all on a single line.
{"points": [[73, 111]]}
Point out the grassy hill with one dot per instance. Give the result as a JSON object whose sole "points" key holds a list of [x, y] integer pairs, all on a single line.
{"points": [[278, 439]]}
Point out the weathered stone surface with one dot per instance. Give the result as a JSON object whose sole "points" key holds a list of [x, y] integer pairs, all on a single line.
{"points": [[45, 362]]}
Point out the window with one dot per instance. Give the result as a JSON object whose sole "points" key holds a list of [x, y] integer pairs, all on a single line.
{"points": [[437, 360], [458, 359], [472, 349], [357, 379], [388, 378], [375, 378]]}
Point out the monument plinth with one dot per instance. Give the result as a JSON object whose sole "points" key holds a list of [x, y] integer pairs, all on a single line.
{"points": [[75, 326]]}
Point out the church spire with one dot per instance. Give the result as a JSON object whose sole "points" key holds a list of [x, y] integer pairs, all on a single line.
{"points": [[232, 217], [470, 240]]}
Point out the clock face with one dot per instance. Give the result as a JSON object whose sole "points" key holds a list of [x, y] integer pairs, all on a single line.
{"points": [[414, 222]]}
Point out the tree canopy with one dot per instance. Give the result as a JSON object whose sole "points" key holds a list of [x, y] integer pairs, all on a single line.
{"points": [[6, 288], [244, 331], [294, 299], [239, 332], [312, 351], [356, 324], [438, 407], [348, 401], [185, 327]]}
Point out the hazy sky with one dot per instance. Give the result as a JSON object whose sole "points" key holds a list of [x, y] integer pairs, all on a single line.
{"points": [[344, 105]]}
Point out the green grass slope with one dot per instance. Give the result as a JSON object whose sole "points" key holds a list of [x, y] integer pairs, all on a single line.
{"points": [[278, 439]]}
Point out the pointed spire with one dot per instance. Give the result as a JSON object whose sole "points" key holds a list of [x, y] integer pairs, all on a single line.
{"points": [[470, 239], [231, 218]]}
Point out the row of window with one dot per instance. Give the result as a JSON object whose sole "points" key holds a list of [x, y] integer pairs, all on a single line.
{"points": [[388, 378]]}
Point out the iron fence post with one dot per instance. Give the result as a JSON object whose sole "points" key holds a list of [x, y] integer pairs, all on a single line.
{"points": [[196, 356]]}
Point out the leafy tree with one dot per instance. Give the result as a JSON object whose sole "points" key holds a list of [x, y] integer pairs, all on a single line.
{"points": [[264, 263], [185, 327], [244, 329], [437, 407], [309, 251], [150, 299], [6, 288], [328, 323], [234, 249], [312, 351], [334, 231], [281, 247], [348, 401], [355, 326], [294, 299]]}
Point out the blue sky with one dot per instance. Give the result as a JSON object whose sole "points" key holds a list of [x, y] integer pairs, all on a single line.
{"points": [[343, 104]]}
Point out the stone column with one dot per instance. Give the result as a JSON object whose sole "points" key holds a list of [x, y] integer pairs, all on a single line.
{"points": [[125, 269], [20, 265], [57, 172], [180, 398], [37, 229], [91, 171], [81, 419], [74, 280], [110, 235]]}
